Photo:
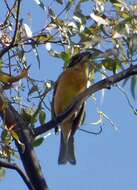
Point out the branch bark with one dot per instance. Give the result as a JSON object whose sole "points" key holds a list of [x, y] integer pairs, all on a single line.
{"points": [[103, 84], [20, 172], [30, 162]]}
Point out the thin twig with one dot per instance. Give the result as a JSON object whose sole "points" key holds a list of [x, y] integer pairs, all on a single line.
{"points": [[62, 11], [6, 49], [20, 172], [91, 132], [127, 98], [13, 44], [17, 22], [9, 12]]}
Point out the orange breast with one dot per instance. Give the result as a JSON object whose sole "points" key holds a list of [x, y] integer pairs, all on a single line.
{"points": [[70, 85]]}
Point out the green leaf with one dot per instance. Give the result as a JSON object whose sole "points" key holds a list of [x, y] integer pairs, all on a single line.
{"points": [[79, 14], [28, 116], [69, 4], [27, 30], [41, 4], [2, 173], [132, 43], [112, 64], [108, 63], [117, 5], [114, 1], [52, 14], [66, 57], [120, 25], [6, 137], [42, 38], [1, 62], [59, 1], [16, 137], [135, 111], [133, 86], [38, 142], [42, 117], [100, 20], [37, 55]]}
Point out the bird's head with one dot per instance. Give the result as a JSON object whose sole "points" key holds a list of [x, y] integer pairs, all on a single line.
{"points": [[82, 59]]}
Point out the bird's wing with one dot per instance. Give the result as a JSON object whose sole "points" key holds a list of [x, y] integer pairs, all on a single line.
{"points": [[53, 115], [52, 106], [79, 119]]}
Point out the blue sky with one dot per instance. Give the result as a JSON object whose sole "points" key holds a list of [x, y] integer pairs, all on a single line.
{"points": [[104, 162]]}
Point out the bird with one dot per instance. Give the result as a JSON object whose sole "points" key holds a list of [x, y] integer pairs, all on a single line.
{"points": [[72, 81]]}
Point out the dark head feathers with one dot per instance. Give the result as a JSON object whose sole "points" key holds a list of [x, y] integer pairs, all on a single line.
{"points": [[77, 58]]}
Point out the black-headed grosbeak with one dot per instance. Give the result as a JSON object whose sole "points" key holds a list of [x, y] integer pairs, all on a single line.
{"points": [[70, 84]]}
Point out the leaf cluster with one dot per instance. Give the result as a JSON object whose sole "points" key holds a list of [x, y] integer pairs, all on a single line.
{"points": [[108, 29]]}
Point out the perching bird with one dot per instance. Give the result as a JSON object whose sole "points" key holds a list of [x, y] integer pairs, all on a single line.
{"points": [[70, 84]]}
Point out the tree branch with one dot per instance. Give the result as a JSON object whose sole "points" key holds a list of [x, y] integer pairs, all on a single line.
{"points": [[6, 49], [29, 159], [103, 84], [9, 12], [20, 172], [17, 22]]}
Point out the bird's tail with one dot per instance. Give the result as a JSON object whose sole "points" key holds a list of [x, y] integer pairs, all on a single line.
{"points": [[67, 153]]}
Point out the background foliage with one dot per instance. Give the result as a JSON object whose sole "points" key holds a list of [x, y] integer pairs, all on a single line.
{"points": [[107, 28]]}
